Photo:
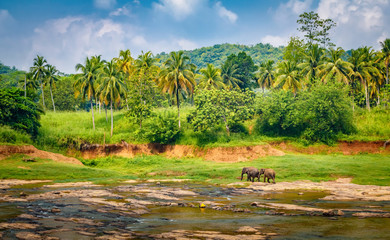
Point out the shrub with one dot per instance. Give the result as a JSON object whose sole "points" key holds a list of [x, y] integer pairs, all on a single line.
{"points": [[9, 135], [162, 128], [18, 112]]}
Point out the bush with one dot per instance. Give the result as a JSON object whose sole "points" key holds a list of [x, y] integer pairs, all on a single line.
{"points": [[317, 115], [18, 112], [163, 128]]}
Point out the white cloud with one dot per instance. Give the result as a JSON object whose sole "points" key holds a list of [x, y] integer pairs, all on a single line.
{"points": [[186, 44], [292, 8], [104, 4], [123, 11], [68, 41], [180, 9], [359, 22], [5, 19], [275, 41], [226, 14]]}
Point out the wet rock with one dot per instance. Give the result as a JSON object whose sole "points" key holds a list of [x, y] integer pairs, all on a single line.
{"points": [[72, 184], [18, 225], [83, 193], [161, 196], [300, 193], [55, 210], [332, 213], [27, 216], [28, 236], [247, 229], [84, 221], [86, 233]]}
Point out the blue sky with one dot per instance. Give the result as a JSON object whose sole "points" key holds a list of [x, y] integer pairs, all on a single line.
{"points": [[65, 32]]}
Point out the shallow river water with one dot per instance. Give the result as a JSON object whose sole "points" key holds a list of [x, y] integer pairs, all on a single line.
{"points": [[171, 211]]}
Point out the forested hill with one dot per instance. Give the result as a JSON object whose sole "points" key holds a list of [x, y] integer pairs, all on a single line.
{"points": [[217, 54], [9, 77]]}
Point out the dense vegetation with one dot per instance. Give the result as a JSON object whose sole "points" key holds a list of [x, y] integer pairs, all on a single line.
{"points": [[308, 90]]}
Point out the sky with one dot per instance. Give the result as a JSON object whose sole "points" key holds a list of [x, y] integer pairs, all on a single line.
{"points": [[65, 32]]}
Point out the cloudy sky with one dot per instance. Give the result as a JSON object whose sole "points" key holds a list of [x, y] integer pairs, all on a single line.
{"points": [[65, 32]]}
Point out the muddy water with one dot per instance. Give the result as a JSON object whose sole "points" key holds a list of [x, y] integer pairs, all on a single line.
{"points": [[145, 210]]}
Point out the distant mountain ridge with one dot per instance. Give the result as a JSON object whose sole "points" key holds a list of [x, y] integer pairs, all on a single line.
{"points": [[218, 53]]}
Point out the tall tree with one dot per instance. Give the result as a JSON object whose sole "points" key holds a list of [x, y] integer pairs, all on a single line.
{"points": [[85, 82], [112, 87], [126, 64], [313, 58], [210, 77], [229, 75], [315, 28], [287, 76], [294, 50], [39, 70], [245, 69], [334, 67], [386, 54], [363, 69], [266, 74], [177, 76], [51, 79]]}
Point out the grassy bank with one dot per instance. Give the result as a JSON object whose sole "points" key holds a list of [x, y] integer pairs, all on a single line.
{"points": [[63, 129], [364, 169]]}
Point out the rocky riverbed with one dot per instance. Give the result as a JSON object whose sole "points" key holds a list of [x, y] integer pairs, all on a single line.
{"points": [[179, 209]]}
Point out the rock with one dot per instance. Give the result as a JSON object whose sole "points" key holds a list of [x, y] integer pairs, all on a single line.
{"points": [[300, 193], [19, 225], [22, 194], [86, 233], [55, 210], [27, 216], [369, 214], [247, 229], [28, 236]]}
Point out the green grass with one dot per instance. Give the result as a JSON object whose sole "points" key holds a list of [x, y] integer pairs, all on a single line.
{"points": [[364, 169], [10, 136]]}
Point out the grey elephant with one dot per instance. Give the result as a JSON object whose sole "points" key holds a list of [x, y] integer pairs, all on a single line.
{"points": [[268, 173], [251, 173]]}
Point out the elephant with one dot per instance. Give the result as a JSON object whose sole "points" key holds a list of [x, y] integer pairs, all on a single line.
{"points": [[251, 173], [268, 173]]}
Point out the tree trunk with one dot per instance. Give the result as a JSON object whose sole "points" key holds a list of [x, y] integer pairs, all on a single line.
{"points": [[52, 99], [226, 125], [178, 106], [43, 97], [366, 93], [127, 104], [100, 107], [105, 109], [112, 119], [387, 73], [93, 117]]}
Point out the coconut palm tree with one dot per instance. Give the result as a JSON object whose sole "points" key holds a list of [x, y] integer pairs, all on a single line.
{"points": [[386, 54], [86, 82], [210, 77], [363, 69], [229, 75], [313, 58], [333, 67], [287, 76], [266, 74], [51, 79], [177, 76], [39, 71], [112, 87], [125, 64]]}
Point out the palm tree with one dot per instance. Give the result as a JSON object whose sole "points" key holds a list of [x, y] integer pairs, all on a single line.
{"points": [[229, 75], [363, 68], [386, 53], [85, 82], [112, 87], [312, 60], [125, 64], [99, 62], [334, 67], [51, 79], [210, 78], [266, 74], [39, 71], [177, 76], [145, 70], [287, 76]]}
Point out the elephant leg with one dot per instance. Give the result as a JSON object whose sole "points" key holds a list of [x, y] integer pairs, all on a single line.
{"points": [[268, 180], [264, 178]]}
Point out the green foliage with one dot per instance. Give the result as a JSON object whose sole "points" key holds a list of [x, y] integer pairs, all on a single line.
{"points": [[10, 77], [319, 115], [162, 128], [19, 112], [9, 135], [326, 112], [215, 107], [245, 69], [218, 54], [138, 111], [277, 114]]}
